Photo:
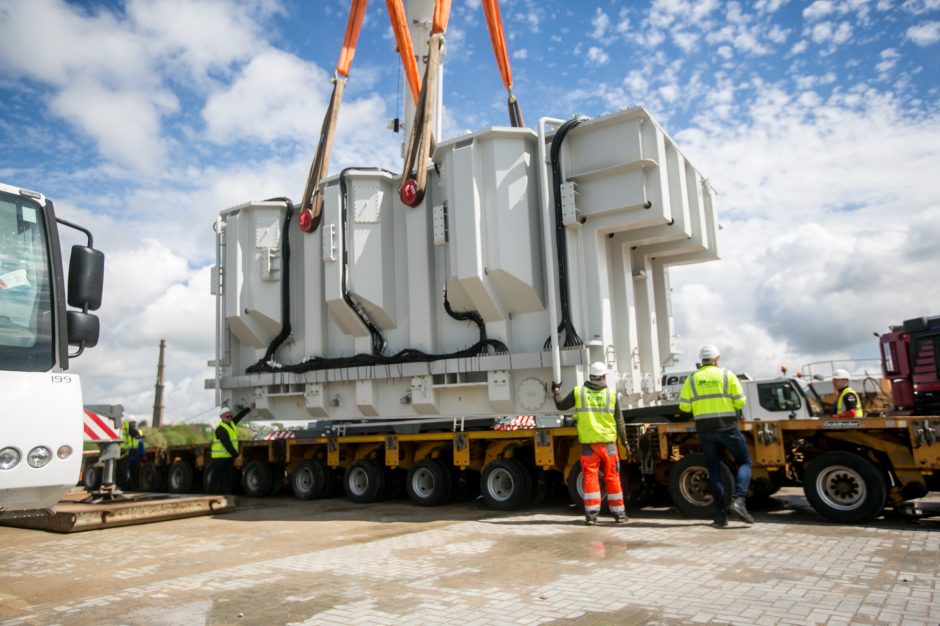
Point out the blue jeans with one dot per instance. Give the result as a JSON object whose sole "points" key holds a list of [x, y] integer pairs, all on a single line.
{"points": [[733, 441]]}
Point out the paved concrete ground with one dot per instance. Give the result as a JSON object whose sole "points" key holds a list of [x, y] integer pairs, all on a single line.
{"points": [[281, 561]]}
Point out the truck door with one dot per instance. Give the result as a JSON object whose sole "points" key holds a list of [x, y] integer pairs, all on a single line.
{"points": [[775, 400]]}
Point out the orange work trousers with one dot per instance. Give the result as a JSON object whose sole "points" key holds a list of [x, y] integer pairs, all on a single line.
{"points": [[595, 456]]}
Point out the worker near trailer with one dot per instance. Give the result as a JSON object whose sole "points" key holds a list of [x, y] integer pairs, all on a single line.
{"points": [[128, 464], [600, 425], [848, 404], [714, 397], [225, 451], [136, 453]]}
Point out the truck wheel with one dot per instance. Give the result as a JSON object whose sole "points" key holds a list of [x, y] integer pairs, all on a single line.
{"points": [[689, 489], [257, 479], [505, 484], [312, 480], [179, 478], [845, 487], [364, 481], [151, 478], [428, 483], [575, 484], [91, 476]]}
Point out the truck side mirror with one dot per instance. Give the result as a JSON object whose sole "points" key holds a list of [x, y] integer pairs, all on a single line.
{"points": [[86, 282], [83, 329]]}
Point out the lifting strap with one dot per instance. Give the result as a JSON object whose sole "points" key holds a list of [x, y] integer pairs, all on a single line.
{"points": [[420, 140], [311, 203], [396, 15], [494, 23]]}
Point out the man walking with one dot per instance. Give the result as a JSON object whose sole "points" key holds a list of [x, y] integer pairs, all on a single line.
{"points": [[600, 423], [714, 396]]}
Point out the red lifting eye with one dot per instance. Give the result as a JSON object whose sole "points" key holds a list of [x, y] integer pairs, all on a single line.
{"points": [[409, 192], [305, 221]]}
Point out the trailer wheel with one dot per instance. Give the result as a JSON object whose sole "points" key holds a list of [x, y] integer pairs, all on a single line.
{"points": [[845, 487], [689, 489], [257, 479], [312, 480], [179, 478], [428, 483], [575, 484], [151, 478], [505, 484], [91, 476], [364, 481]]}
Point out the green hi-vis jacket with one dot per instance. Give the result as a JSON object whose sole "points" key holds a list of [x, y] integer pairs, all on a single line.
{"points": [[713, 395]]}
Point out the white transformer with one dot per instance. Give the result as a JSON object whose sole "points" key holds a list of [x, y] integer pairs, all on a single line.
{"points": [[448, 308]]}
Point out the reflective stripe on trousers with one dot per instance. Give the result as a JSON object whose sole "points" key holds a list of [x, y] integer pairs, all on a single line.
{"points": [[603, 456]]}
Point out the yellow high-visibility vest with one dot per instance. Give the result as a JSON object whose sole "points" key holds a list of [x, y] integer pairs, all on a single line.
{"points": [[218, 450], [594, 411]]}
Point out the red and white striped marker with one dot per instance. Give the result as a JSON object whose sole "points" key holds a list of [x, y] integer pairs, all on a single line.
{"points": [[100, 429]]}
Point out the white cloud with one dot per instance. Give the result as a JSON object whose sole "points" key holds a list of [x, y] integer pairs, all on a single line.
{"points": [[925, 34], [597, 55], [919, 7], [600, 22], [889, 59], [811, 266], [265, 103], [521, 54], [818, 10]]}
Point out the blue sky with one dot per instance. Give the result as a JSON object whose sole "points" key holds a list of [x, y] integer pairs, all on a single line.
{"points": [[817, 123]]}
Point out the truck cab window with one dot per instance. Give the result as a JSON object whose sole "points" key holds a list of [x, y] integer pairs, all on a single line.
{"points": [[25, 299], [778, 396]]}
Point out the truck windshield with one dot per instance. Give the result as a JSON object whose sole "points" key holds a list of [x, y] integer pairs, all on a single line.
{"points": [[26, 316]]}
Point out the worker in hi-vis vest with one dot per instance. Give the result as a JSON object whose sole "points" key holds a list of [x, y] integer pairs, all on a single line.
{"points": [[225, 451], [848, 405], [600, 424], [714, 397]]}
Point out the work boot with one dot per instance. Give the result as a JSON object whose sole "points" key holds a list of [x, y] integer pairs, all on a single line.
{"points": [[620, 519], [721, 520], [737, 507], [590, 520]]}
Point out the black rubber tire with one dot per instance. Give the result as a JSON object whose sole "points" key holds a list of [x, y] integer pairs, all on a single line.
{"points": [[845, 487], [364, 481], [91, 476], [689, 490], [429, 483], [506, 485], [257, 479], [180, 476], [575, 483], [151, 478], [312, 480]]}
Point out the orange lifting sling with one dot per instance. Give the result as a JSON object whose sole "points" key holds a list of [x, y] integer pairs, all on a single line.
{"points": [[311, 203], [494, 23]]}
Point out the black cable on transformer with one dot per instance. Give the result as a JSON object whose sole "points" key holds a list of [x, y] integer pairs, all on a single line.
{"points": [[561, 245], [379, 343], [285, 290], [408, 355], [476, 318]]}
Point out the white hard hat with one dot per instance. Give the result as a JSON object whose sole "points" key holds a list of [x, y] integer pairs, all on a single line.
{"points": [[598, 369], [840, 374], [708, 353], [225, 411]]}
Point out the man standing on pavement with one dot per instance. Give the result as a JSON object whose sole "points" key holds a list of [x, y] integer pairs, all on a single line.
{"points": [[714, 397], [600, 424], [225, 451], [847, 405]]}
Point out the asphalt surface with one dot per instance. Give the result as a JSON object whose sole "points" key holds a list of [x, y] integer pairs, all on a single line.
{"points": [[283, 561]]}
